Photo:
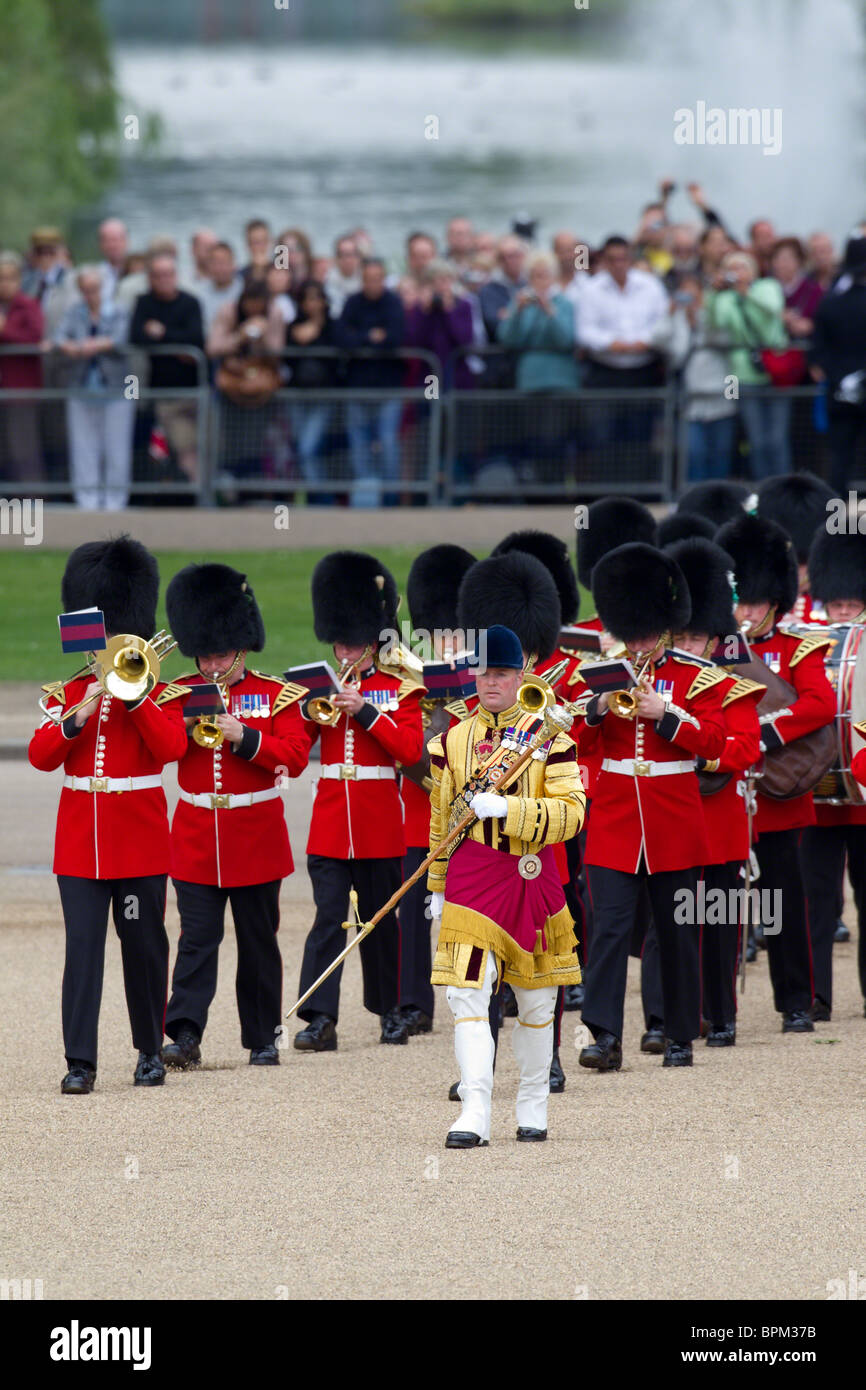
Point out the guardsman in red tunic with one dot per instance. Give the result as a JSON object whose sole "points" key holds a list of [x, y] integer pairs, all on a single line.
{"points": [[356, 837], [229, 843], [837, 579], [431, 592], [111, 846], [708, 572], [798, 503], [646, 822], [765, 568]]}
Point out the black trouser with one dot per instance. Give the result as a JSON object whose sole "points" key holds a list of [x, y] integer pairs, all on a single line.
{"points": [[615, 896], [374, 880], [789, 951], [414, 921], [138, 910], [719, 944], [822, 859], [259, 979], [845, 424]]}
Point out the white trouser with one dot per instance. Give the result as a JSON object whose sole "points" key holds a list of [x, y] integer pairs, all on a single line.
{"points": [[100, 434], [474, 1050], [532, 1041]]}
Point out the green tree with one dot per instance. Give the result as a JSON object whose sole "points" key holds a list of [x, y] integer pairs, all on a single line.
{"points": [[58, 111]]}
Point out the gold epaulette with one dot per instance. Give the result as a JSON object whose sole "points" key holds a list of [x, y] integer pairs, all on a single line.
{"points": [[264, 676], [707, 677], [744, 686], [860, 728], [807, 645], [172, 691], [290, 692], [410, 685], [458, 708], [56, 690]]}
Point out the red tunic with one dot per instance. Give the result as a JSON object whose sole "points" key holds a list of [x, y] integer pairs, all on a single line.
{"points": [[800, 661], [356, 818], [231, 846], [805, 610], [657, 819], [416, 813], [858, 762], [112, 834], [725, 810]]}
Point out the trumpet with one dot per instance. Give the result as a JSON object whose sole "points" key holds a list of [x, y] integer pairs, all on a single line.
{"points": [[624, 702], [207, 732], [321, 708], [127, 667]]}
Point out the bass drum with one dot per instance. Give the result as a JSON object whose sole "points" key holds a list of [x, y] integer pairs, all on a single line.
{"points": [[845, 664]]}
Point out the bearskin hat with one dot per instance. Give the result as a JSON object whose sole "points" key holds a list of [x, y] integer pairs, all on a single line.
{"points": [[611, 521], [121, 577], [554, 555], [798, 503], [211, 608], [516, 591], [682, 526], [639, 590], [718, 502], [837, 566], [765, 562], [709, 573], [354, 598], [433, 585]]}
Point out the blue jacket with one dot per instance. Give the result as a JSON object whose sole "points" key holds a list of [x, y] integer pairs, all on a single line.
{"points": [[545, 343], [359, 315]]}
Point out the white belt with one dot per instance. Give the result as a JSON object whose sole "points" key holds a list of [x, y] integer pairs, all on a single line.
{"points": [[227, 801], [352, 772], [633, 767], [111, 784]]}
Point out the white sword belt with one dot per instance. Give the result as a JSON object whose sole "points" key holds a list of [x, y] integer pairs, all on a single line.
{"points": [[111, 784], [634, 767], [353, 772], [228, 801]]}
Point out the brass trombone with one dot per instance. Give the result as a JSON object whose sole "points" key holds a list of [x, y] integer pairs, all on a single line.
{"points": [[321, 708], [207, 732], [127, 667]]}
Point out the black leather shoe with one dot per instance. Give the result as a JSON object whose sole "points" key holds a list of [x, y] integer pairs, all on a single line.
{"points": [[605, 1054], [266, 1056], [79, 1080], [464, 1139], [509, 1003], [150, 1070], [797, 1021], [820, 1012], [416, 1020], [320, 1035], [531, 1136], [394, 1028], [841, 933], [557, 1075], [677, 1054], [573, 998], [653, 1039], [184, 1052], [722, 1035], [453, 1093]]}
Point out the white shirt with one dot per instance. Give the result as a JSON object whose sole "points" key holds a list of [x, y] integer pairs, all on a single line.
{"points": [[608, 314]]}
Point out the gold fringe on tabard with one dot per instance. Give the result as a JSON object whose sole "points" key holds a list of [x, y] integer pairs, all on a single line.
{"points": [[464, 929]]}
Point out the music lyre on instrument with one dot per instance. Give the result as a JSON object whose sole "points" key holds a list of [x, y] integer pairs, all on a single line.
{"points": [[127, 667], [207, 732], [321, 708]]}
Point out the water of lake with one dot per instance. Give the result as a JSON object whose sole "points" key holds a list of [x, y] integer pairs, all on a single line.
{"points": [[327, 137]]}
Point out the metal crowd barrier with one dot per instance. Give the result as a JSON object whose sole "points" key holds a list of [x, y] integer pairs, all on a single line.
{"points": [[424, 441]]}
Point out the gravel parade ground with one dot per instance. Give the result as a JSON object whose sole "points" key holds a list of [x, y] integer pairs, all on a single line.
{"points": [[328, 1178]]}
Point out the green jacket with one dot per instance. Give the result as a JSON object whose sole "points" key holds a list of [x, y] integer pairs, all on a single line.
{"points": [[546, 345], [751, 322]]}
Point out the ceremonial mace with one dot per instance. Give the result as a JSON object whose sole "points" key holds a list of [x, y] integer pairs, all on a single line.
{"points": [[555, 720]]}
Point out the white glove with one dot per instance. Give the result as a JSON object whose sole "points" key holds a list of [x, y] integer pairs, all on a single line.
{"points": [[437, 902], [487, 804]]}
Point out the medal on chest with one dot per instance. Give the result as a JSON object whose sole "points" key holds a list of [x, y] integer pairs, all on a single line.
{"points": [[382, 699], [665, 689], [773, 660], [251, 706]]}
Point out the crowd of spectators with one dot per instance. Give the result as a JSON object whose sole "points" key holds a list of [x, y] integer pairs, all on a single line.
{"points": [[550, 318]]}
